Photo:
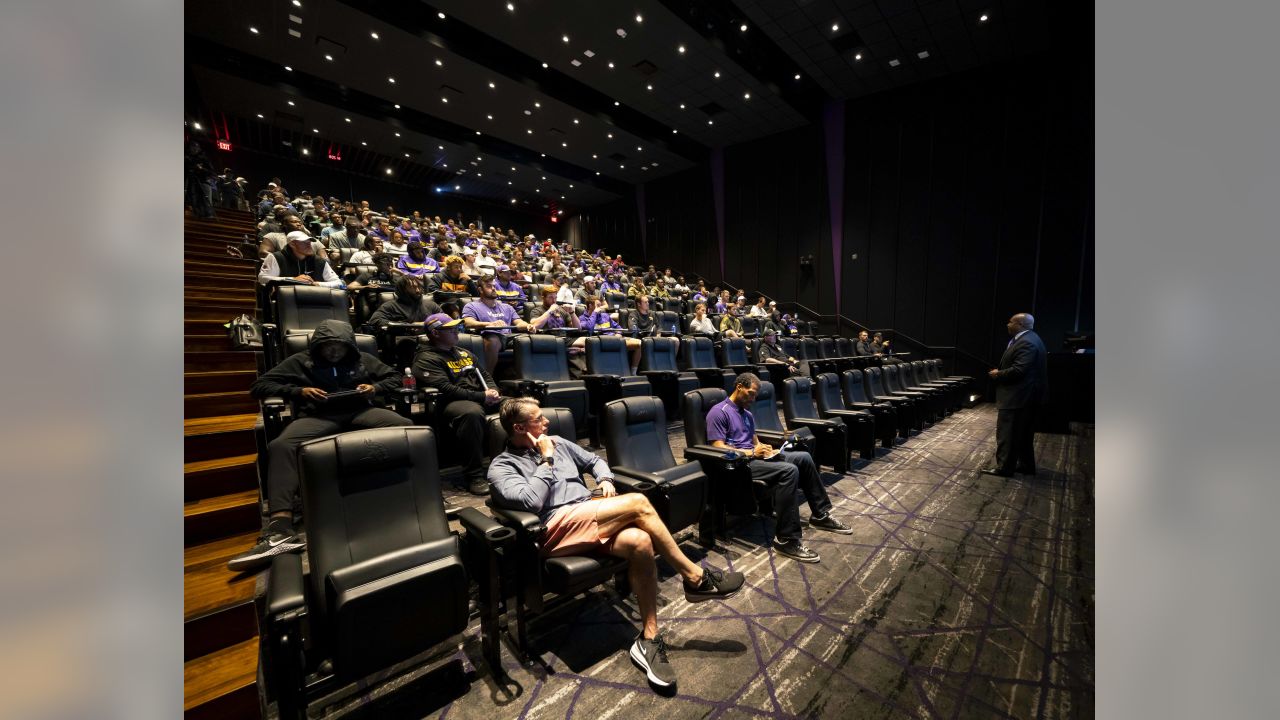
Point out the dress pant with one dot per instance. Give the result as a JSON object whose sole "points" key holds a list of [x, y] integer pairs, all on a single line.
{"points": [[1015, 439], [465, 419], [282, 453], [783, 475]]}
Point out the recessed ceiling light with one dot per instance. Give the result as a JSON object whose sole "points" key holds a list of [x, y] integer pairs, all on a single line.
{"points": [[529, 130], [655, 164], [544, 66], [513, 200], [537, 104], [440, 15], [743, 27], [680, 49], [561, 212], [537, 189], [364, 143], [894, 63], [492, 86], [621, 166], [681, 106], [564, 144], [857, 56], [922, 54], [983, 18], [528, 112], [444, 99], [649, 88], [306, 151], [575, 121], [588, 53], [457, 187], [290, 103], [835, 27], [544, 177], [717, 73], [297, 3], [397, 134], [445, 164], [391, 80], [197, 126], [610, 66], [609, 135], [565, 38], [286, 67], [347, 119], [489, 116], [673, 131], [374, 35], [512, 8], [746, 96], [595, 156], [513, 169], [571, 185], [639, 18], [329, 58], [544, 154], [616, 103], [439, 62], [638, 149], [260, 115], [711, 122], [597, 172], [797, 76], [253, 30], [477, 132], [406, 154], [315, 130]]}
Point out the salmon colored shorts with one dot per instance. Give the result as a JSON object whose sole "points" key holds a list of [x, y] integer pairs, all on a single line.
{"points": [[573, 530]]}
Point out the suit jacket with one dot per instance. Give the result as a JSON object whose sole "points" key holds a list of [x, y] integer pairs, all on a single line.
{"points": [[1023, 380], [864, 347]]}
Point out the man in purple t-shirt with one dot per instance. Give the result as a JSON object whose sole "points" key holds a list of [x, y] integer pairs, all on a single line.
{"points": [[492, 319], [731, 426]]}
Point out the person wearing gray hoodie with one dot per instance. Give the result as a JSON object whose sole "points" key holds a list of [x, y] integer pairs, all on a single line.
{"points": [[332, 363]]}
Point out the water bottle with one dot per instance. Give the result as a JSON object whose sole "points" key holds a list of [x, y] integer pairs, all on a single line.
{"points": [[410, 382]]}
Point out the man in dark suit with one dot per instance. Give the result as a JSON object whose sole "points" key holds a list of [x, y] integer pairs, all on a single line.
{"points": [[1021, 385]]}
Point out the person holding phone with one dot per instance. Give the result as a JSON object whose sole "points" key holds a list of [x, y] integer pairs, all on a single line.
{"points": [[544, 474], [731, 426]]}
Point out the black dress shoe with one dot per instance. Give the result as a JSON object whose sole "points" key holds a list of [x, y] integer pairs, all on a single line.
{"points": [[1025, 470], [997, 471]]}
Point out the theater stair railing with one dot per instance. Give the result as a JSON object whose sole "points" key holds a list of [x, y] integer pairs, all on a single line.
{"points": [[220, 511]]}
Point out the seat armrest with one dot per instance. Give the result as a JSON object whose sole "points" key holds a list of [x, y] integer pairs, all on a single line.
{"points": [[285, 593], [658, 374], [849, 414], [484, 528], [716, 458], [600, 379], [863, 406], [815, 424], [526, 524], [632, 480]]}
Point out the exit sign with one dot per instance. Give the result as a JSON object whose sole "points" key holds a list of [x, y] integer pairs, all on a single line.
{"points": [[224, 145], [335, 155]]}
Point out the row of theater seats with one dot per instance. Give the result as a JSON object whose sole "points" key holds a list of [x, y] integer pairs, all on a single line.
{"points": [[388, 579]]}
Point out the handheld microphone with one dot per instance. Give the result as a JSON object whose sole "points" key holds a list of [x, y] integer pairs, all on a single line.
{"points": [[480, 375]]}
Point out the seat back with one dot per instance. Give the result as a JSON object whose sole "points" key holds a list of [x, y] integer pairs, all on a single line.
{"points": [[765, 408], [844, 347], [668, 322], [303, 307], [809, 348], [616, 300], [658, 353], [874, 383], [827, 393], [698, 352], [368, 302], [559, 422], [827, 348], [471, 342], [673, 305], [797, 398], [540, 357], [387, 580], [791, 346], [750, 325], [298, 342], [607, 355], [733, 351], [892, 381], [635, 434], [753, 349], [918, 375], [852, 383], [931, 369], [697, 403]]}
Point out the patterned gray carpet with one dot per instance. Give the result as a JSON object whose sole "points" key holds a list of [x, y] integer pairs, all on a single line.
{"points": [[958, 595]]}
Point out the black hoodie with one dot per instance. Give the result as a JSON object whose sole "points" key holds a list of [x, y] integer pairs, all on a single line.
{"points": [[308, 369]]}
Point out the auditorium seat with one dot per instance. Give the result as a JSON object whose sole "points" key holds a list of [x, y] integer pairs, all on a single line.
{"points": [[609, 377], [832, 434], [658, 364], [730, 488], [769, 429], [845, 347], [668, 322], [697, 355], [932, 400], [639, 453], [387, 581], [861, 424], [559, 422], [300, 308], [673, 305], [750, 326], [888, 423], [909, 412], [542, 369]]}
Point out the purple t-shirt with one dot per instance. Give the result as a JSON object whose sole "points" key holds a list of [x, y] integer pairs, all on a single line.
{"points": [[733, 426], [477, 310]]}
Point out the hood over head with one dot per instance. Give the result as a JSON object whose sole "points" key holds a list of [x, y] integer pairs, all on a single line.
{"points": [[330, 330]]}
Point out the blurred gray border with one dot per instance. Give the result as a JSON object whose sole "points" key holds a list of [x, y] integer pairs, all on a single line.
{"points": [[1188, 182]]}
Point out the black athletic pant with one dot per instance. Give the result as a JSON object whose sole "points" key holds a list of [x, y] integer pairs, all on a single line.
{"points": [[466, 420], [1015, 439], [282, 453], [784, 475]]}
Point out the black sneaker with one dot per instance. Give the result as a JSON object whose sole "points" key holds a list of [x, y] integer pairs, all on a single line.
{"points": [[651, 656], [796, 550], [479, 486], [715, 585], [269, 545], [830, 524]]}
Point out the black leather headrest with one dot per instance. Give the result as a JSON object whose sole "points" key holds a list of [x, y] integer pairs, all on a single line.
{"points": [[543, 343], [373, 452], [641, 409]]}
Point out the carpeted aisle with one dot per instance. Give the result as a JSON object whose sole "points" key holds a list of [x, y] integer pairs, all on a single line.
{"points": [[959, 595]]}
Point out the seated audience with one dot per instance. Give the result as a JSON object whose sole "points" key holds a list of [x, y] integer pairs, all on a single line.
{"points": [[730, 324], [408, 306], [416, 262], [370, 246], [771, 353], [298, 261], [508, 290], [383, 275], [492, 319], [701, 324], [451, 279]]}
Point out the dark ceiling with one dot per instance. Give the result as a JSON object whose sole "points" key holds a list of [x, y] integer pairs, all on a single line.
{"points": [[454, 94]]}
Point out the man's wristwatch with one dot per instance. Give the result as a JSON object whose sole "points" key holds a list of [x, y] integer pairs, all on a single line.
{"points": [[547, 460]]}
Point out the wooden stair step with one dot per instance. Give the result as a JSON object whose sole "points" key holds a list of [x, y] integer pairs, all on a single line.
{"points": [[227, 360], [199, 311], [219, 403], [194, 383], [220, 476], [226, 616], [217, 282], [221, 516], [238, 298], [205, 343], [216, 437], [223, 684]]}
